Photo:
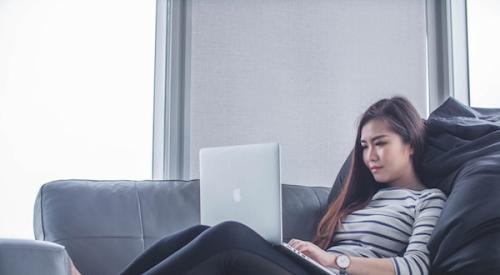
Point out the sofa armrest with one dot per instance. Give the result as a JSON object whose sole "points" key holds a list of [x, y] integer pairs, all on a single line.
{"points": [[33, 257]]}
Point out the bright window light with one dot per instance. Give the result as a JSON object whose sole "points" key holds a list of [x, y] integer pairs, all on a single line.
{"points": [[76, 97], [483, 21]]}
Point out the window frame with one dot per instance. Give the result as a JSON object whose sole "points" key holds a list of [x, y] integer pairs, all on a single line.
{"points": [[447, 48], [171, 109]]}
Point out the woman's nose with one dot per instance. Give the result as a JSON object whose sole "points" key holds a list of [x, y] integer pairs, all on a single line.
{"points": [[372, 154]]}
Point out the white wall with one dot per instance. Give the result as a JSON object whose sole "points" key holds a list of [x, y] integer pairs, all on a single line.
{"points": [[76, 97], [300, 73]]}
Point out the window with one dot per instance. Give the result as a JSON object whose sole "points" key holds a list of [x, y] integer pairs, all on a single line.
{"points": [[76, 97], [483, 23]]}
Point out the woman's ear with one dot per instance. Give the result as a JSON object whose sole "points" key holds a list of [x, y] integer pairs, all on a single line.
{"points": [[411, 149]]}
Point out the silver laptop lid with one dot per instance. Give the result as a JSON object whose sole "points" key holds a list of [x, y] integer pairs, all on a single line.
{"points": [[242, 183]]}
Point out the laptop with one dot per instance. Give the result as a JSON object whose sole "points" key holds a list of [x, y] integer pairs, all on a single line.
{"points": [[243, 183]]}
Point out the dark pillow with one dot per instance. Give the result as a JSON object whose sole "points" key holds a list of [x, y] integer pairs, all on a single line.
{"points": [[339, 181], [462, 159]]}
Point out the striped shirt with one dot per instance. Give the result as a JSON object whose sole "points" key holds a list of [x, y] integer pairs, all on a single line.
{"points": [[396, 224]]}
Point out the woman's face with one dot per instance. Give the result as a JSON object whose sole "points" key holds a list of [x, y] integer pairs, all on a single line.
{"points": [[384, 153]]}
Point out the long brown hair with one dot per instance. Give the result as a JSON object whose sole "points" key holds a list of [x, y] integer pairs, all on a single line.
{"points": [[359, 185]]}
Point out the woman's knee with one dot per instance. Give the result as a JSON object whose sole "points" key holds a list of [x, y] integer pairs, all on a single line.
{"points": [[194, 231], [199, 227], [184, 235], [232, 228], [229, 232]]}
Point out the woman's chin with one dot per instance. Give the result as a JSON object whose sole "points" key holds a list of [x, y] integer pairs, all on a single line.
{"points": [[380, 179]]}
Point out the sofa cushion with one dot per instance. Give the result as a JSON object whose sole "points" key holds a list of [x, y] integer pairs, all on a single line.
{"points": [[302, 209], [463, 159], [104, 225]]}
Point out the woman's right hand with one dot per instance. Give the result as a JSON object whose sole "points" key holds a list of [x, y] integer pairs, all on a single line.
{"points": [[314, 252]]}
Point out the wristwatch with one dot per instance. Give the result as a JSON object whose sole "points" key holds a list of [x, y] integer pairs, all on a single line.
{"points": [[343, 261]]}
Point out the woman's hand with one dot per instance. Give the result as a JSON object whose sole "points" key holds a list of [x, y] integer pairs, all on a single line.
{"points": [[314, 252]]}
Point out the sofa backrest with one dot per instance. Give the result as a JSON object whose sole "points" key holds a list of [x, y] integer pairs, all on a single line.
{"points": [[104, 225]]}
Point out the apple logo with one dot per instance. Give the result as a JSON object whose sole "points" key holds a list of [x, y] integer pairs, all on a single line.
{"points": [[237, 195]]}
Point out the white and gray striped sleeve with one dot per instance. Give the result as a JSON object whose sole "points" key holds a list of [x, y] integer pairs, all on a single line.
{"points": [[415, 260]]}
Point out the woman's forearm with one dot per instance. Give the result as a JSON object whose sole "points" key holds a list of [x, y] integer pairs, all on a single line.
{"points": [[369, 266]]}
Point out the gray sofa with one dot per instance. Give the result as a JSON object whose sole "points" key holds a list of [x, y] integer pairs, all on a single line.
{"points": [[104, 225]]}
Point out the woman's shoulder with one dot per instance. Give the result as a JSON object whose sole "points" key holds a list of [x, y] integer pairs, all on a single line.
{"points": [[431, 198], [432, 192], [417, 195]]}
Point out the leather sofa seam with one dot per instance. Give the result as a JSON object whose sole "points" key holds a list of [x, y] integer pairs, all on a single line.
{"points": [[42, 192], [140, 215]]}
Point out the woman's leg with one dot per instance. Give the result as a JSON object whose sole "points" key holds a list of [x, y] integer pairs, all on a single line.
{"points": [[227, 248], [238, 262], [162, 249]]}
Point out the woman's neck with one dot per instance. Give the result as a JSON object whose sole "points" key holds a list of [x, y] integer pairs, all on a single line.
{"points": [[409, 180]]}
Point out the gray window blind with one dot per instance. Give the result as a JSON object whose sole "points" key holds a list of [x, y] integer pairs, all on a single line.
{"points": [[300, 73]]}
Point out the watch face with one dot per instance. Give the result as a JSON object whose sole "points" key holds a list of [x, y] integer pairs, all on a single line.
{"points": [[343, 261]]}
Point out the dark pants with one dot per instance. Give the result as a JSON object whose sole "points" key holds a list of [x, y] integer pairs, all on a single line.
{"points": [[226, 248]]}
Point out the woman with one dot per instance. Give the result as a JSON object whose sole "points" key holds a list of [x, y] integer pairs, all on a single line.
{"points": [[381, 220]]}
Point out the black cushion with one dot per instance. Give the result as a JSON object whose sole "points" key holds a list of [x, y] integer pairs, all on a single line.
{"points": [[339, 181], [462, 159]]}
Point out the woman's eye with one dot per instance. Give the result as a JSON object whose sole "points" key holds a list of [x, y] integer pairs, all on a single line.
{"points": [[380, 143]]}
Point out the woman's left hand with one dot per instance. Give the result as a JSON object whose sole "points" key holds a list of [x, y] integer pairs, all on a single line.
{"points": [[313, 251]]}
